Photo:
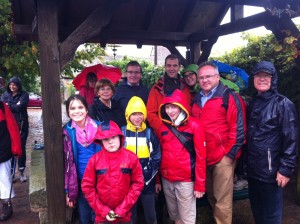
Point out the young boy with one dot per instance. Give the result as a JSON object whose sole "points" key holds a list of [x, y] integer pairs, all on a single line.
{"points": [[141, 140], [113, 179], [183, 165], [10, 145]]}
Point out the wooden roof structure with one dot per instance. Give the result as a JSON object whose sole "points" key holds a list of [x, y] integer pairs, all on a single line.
{"points": [[60, 26]]}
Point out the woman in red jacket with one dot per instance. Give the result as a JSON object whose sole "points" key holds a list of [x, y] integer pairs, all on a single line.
{"points": [[113, 179], [183, 168]]}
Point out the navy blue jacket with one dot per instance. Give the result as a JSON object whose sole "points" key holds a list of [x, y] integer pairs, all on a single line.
{"points": [[272, 132]]}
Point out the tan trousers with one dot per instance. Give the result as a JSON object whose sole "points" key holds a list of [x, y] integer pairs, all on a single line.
{"points": [[219, 189]]}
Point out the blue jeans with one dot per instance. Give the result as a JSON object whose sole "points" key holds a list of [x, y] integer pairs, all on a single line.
{"points": [[86, 213], [266, 201], [148, 203]]}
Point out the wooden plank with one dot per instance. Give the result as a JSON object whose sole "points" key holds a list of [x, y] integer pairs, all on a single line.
{"points": [[50, 77], [91, 27], [236, 12]]}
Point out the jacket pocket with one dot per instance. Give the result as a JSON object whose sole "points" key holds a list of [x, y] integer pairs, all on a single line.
{"points": [[126, 170], [101, 172]]}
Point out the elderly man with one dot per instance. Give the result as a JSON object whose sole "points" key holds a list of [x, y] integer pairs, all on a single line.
{"points": [[272, 145], [165, 86], [224, 129]]}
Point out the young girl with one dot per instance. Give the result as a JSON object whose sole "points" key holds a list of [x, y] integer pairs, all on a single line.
{"points": [[88, 91], [113, 179], [78, 134], [142, 141]]}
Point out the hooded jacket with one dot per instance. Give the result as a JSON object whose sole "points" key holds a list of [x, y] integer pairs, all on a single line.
{"points": [[10, 140], [225, 129], [112, 180], [18, 103], [155, 98], [124, 92], [272, 132], [142, 141], [178, 164]]}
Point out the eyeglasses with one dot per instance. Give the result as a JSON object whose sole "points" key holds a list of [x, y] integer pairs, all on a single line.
{"points": [[202, 78], [105, 89], [263, 76], [133, 72], [188, 75]]}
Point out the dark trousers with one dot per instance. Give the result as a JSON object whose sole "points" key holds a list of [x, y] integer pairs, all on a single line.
{"points": [[86, 213], [22, 160], [148, 203], [266, 201]]}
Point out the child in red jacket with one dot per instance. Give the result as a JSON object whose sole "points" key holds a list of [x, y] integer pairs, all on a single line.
{"points": [[113, 179]]}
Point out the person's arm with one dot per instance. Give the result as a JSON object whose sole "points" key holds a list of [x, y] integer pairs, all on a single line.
{"points": [[236, 117], [21, 104], [289, 138], [135, 189], [14, 132], [153, 104]]}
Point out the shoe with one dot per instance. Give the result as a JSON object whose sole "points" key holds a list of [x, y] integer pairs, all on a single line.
{"points": [[7, 211], [23, 178], [240, 184]]}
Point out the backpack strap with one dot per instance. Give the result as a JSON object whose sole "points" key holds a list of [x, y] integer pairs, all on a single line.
{"points": [[226, 94]]}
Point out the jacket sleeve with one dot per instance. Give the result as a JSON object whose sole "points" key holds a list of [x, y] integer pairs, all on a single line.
{"points": [[14, 132], [236, 117], [22, 104], [200, 149], [89, 188], [153, 104], [135, 189], [289, 136]]}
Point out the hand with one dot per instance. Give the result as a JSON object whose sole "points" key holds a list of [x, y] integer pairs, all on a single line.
{"points": [[70, 203], [282, 180], [111, 216], [199, 194], [157, 188]]}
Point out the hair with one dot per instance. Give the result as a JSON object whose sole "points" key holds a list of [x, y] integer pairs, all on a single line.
{"points": [[104, 82], [91, 77], [172, 57], [209, 63], [76, 97], [134, 63]]}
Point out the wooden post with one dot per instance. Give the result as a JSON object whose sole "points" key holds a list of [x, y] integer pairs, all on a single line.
{"points": [[50, 76]]}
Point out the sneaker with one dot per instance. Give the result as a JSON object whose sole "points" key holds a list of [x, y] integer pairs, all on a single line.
{"points": [[7, 211], [23, 178], [240, 184]]}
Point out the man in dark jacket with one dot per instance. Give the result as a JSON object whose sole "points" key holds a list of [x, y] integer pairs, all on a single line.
{"points": [[131, 86], [17, 100], [272, 145]]}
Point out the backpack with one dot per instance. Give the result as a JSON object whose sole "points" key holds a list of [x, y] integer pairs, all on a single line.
{"points": [[226, 94]]}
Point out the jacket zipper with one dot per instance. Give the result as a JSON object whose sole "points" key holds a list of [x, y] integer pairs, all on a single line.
{"points": [[270, 160]]}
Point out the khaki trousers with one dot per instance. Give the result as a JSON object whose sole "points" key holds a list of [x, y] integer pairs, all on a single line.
{"points": [[219, 189]]}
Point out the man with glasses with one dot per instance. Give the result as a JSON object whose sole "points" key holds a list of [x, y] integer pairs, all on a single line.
{"points": [[272, 138], [131, 86], [224, 129], [165, 86]]}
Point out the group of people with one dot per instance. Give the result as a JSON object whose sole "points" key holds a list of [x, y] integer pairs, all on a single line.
{"points": [[13, 136], [184, 137]]}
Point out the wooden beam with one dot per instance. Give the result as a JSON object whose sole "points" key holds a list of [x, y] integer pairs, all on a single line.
{"points": [[50, 77], [236, 12], [149, 14], [91, 27], [186, 14], [206, 49]]}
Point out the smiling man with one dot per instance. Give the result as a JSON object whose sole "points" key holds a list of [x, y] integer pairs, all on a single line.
{"points": [[272, 138], [164, 86]]}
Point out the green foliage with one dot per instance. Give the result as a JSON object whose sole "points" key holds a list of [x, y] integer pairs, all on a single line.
{"points": [[150, 72], [267, 48]]}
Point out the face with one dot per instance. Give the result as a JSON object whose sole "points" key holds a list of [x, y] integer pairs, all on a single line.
{"points": [[208, 78], [172, 111], [92, 84], [111, 144], [133, 75], [77, 112], [105, 92], [13, 87], [172, 67], [136, 118], [190, 78], [262, 82]]}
